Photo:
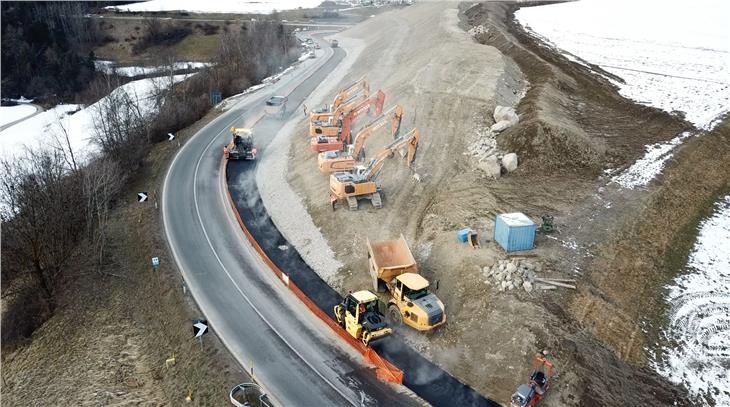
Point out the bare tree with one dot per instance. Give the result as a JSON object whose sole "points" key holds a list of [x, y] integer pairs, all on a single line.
{"points": [[42, 217], [61, 141], [120, 128], [102, 183]]}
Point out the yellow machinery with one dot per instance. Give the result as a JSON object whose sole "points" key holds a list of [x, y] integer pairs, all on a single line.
{"points": [[361, 314], [344, 160], [360, 182], [241, 146], [359, 89], [392, 267]]}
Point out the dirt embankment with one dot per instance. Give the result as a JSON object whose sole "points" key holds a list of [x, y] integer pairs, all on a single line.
{"points": [[113, 329]]}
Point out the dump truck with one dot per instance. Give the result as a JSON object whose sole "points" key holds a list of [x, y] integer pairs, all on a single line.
{"points": [[393, 268], [361, 314], [241, 147], [334, 43]]}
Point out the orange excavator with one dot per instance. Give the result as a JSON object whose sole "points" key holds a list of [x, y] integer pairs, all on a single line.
{"points": [[344, 160], [327, 118], [528, 394], [360, 182], [335, 135], [360, 87]]}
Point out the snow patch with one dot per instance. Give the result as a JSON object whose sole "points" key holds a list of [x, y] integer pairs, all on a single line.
{"points": [[671, 55], [110, 67], [9, 114], [76, 121], [698, 350], [652, 164]]}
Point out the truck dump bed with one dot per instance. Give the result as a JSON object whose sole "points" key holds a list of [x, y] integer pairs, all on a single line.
{"points": [[390, 258]]}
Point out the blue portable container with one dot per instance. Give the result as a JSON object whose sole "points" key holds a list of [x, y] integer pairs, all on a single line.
{"points": [[514, 232], [463, 235]]}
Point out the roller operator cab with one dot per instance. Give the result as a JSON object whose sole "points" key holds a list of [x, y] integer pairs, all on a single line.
{"points": [[361, 314]]}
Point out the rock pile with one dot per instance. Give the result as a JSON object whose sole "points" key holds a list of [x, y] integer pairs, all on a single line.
{"points": [[504, 118], [477, 30], [513, 274], [485, 152]]}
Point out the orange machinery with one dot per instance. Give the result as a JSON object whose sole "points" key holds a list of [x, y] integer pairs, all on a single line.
{"points": [[360, 88], [344, 160], [336, 134]]}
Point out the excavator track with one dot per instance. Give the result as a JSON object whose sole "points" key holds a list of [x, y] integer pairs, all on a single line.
{"points": [[376, 200], [352, 203]]}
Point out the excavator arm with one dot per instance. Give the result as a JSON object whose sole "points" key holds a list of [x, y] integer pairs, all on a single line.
{"points": [[395, 113], [358, 110], [360, 86], [410, 141]]}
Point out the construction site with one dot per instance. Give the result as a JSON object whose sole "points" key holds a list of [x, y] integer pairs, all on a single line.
{"points": [[429, 207], [505, 127]]}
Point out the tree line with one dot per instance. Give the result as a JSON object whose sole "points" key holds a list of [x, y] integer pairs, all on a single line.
{"points": [[46, 48], [51, 204]]}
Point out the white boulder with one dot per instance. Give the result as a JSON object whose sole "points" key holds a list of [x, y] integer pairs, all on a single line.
{"points": [[509, 162], [490, 166], [504, 117]]}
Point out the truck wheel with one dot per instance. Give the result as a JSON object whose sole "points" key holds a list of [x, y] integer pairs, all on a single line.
{"points": [[396, 319]]}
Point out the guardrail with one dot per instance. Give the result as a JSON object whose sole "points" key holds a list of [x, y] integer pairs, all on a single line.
{"points": [[249, 395]]}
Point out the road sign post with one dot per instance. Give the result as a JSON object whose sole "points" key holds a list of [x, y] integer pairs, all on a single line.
{"points": [[155, 263], [200, 328]]}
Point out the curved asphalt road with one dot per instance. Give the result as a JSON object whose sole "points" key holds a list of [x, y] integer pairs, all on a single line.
{"points": [[263, 325]]}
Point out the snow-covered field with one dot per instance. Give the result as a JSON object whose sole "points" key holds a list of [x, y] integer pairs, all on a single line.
{"points": [[110, 67], [671, 55], [76, 120], [674, 56], [698, 354], [9, 114], [219, 6]]}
